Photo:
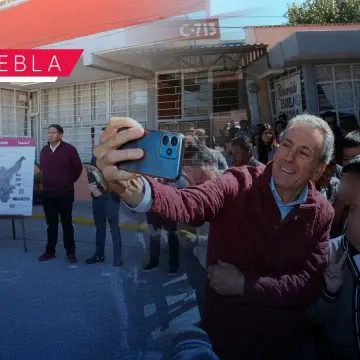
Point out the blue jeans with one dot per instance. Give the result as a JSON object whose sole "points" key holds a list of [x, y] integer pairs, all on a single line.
{"points": [[106, 208]]}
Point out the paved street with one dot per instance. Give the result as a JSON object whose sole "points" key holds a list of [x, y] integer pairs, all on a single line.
{"points": [[55, 310]]}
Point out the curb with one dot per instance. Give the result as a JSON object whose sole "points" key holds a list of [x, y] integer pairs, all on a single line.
{"points": [[133, 227], [86, 221]]}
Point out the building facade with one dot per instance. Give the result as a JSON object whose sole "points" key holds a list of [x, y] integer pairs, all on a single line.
{"points": [[312, 69], [168, 73]]}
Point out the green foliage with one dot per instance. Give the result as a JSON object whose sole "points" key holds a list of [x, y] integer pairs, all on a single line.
{"points": [[324, 12]]}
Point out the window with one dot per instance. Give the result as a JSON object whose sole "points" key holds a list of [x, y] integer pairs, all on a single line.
{"points": [[225, 92], [128, 97], [14, 120], [84, 109], [196, 94], [138, 99], [338, 91], [206, 100], [169, 96]]}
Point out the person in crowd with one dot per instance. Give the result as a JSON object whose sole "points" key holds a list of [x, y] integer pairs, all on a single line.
{"points": [[267, 146], [338, 170], [61, 167], [198, 161], [349, 186], [106, 207], [351, 146], [246, 130], [243, 152], [218, 158], [330, 118], [279, 129], [156, 224], [328, 184], [191, 130], [283, 118], [256, 139], [261, 279], [337, 308], [233, 130]]}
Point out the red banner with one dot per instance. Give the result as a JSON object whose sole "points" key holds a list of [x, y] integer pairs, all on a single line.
{"points": [[17, 141], [38, 62]]}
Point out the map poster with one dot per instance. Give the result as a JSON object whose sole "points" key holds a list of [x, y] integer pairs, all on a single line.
{"points": [[17, 159]]}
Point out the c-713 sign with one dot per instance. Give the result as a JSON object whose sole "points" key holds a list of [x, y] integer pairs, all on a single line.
{"points": [[200, 29]]}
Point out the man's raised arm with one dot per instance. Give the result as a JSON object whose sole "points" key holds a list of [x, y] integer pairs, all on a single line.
{"points": [[193, 205]]}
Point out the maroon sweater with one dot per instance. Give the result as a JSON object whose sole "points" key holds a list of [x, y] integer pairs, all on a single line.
{"points": [[283, 261], [60, 169]]}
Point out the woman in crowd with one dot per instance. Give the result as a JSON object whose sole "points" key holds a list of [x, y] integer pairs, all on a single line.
{"points": [[265, 149]]}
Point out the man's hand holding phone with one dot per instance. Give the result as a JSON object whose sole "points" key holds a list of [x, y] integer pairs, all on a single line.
{"points": [[127, 185]]}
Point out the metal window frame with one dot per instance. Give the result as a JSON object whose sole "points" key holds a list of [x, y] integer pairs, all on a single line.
{"points": [[169, 120], [75, 127], [355, 109], [182, 73], [13, 108], [195, 117]]}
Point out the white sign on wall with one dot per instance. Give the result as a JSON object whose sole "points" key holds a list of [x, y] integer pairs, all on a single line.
{"points": [[288, 100], [17, 159]]}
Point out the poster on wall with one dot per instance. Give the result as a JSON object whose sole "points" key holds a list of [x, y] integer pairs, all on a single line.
{"points": [[288, 100], [17, 159]]}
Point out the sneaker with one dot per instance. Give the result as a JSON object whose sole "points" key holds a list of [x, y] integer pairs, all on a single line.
{"points": [[46, 256], [150, 267], [95, 259], [72, 258]]}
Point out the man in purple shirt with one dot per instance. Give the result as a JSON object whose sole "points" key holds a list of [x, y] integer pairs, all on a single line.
{"points": [[61, 167]]}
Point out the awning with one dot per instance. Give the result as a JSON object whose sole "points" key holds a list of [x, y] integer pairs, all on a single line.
{"points": [[316, 46], [145, 61]]}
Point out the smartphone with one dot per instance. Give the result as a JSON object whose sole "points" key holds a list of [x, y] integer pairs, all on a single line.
{"points": [[163, 155]]}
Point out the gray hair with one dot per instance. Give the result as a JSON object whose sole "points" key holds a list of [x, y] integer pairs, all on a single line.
{"points": [[317, 124]]}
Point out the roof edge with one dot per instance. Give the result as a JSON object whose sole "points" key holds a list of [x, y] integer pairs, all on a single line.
{"points": [[302, 25]]}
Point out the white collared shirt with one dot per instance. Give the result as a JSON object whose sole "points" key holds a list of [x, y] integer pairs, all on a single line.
{"points": [[53, 148]]}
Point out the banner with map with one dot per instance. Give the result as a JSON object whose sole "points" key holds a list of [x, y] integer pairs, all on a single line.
{"points": [[17, 159]]}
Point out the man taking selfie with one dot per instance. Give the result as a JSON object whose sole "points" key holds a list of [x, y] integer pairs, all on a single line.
{"points": [[269, 229]]}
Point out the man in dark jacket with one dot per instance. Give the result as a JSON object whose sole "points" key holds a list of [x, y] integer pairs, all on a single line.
{"points": [[61, 167], [269, 229]]}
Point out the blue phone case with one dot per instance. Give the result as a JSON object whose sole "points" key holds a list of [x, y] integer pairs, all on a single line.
{"points": [[163, 155]]}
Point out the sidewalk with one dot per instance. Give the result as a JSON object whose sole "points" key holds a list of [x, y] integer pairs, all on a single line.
{"points": [[83, 215], [55, 310]]}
